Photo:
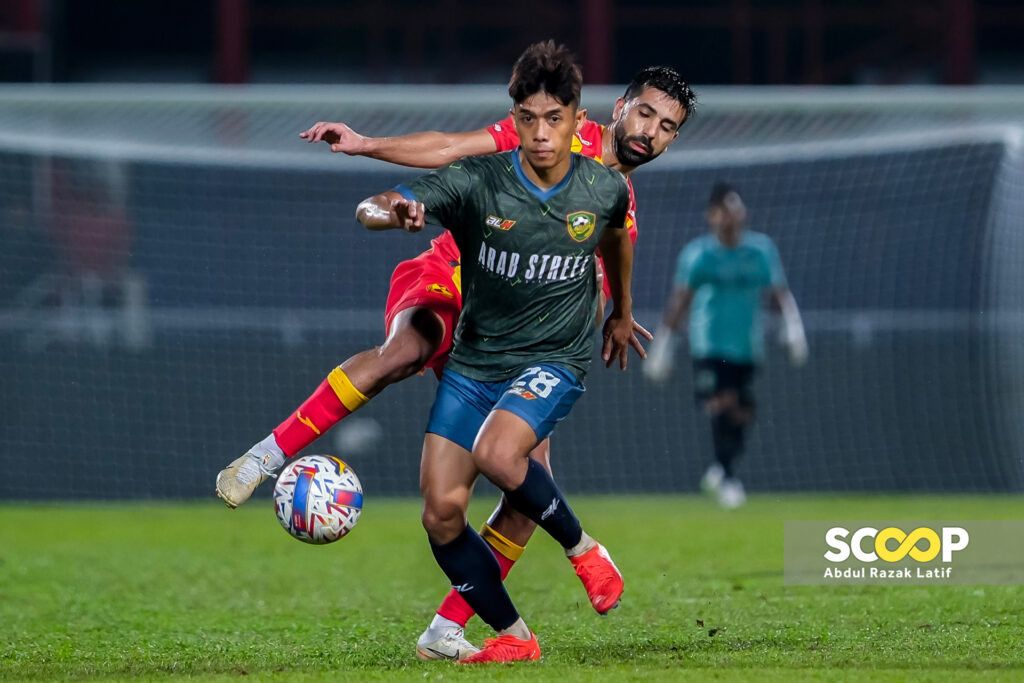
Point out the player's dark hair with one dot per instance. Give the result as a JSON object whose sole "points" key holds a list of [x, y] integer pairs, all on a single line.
{"points": [[546, 67], [667, 80], [719, 192]]}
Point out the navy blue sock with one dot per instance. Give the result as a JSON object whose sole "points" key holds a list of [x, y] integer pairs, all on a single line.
{"points": [[474, 572], [727, 437], [539, 499]]}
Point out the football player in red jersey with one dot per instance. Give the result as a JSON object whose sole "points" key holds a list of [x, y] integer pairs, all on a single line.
{"points": [[425, 299]]}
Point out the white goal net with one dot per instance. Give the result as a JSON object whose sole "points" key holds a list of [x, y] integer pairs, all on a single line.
{"points": [[178, 270]]}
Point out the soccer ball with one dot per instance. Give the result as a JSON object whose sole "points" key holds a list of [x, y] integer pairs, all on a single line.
{"points": [[318, 498]]}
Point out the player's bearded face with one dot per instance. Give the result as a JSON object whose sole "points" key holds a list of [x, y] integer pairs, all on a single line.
{"points": [[632, 150], [645, 126]]}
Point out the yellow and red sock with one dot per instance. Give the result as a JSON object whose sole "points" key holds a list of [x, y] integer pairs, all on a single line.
{"points": [[335, 398], [454, 606]]}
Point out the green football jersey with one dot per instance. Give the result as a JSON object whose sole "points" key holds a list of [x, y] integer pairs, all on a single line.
{"points": [[529, 288]]}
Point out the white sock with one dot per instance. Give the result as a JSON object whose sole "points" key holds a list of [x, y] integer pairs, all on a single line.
{"points": [[441, 625], [269, 454], [519, 629], [585, 544]]}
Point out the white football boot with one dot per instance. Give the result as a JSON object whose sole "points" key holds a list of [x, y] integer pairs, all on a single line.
{"points": [[731, 494], [237, 481], [444, 642], [712, 478]]}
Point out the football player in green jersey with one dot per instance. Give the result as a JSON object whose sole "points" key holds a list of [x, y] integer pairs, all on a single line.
{"points": [[528, 223], [645, 120], [719, 280]]}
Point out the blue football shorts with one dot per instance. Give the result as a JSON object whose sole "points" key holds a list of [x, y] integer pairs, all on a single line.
{"points": [[542, 395]]}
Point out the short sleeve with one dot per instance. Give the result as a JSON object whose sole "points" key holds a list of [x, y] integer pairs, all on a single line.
{"points": [[776, 275], [504, 134], [443, 193], [686, 267]]}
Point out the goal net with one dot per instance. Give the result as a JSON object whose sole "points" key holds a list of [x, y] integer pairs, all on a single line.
{"points": [[178, 270]]}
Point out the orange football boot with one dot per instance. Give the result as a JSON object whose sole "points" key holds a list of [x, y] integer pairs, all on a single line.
{"points": [[600, 577], [506, 648]]}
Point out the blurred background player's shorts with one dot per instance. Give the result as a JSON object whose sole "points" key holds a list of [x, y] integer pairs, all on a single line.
{"points": [[712, 375]]}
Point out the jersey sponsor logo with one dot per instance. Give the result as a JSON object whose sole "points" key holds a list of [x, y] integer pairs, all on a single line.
{"points": [[498, 222], [581, 225], [438, 288], [539, 267], [522, 392]]}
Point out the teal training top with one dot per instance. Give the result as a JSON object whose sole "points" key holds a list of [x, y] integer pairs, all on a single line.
{"points": [[725, 317]]}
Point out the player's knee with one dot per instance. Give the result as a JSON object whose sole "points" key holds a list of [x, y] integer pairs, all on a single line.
{"points": [[404, 358], [726, 401], [743, 416], [443, 518], [415, 338], [399, 363]]}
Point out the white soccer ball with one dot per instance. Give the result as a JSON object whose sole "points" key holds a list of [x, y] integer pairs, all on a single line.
{"points": [[318, 498]]}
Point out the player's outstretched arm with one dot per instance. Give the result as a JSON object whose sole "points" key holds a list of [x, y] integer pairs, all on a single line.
{"points": [[430, 149], [659, 362], [619, 329], [792, 326], [389, 210]]}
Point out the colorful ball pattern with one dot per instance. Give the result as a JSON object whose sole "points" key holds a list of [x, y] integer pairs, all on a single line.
{"points": [[318, 498]]}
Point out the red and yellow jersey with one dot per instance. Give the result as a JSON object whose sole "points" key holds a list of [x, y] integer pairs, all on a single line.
{"points": [[443, 247]]}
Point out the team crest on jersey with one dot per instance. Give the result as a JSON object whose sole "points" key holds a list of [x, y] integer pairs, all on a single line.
{"points": [[438, 288], [499, 223], [581, 225]]}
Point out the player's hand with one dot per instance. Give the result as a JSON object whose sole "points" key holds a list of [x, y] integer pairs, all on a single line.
{"points": [[793, 338], [797, 344], [619, 334], [407, 215], [658, 365], [340, 137]]}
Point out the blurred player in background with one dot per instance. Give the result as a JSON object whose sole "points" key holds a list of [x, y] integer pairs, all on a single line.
{"points": [[719, 280], [425, 299], [533, 219]]}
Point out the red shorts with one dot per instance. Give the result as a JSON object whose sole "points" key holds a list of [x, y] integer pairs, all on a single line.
{"points": [[428, 281]]}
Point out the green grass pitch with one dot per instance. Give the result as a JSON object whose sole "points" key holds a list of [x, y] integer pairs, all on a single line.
{"points": [[162, 591]]}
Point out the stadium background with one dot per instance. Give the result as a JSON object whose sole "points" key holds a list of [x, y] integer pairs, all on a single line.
{"points": [[178, 270]]}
